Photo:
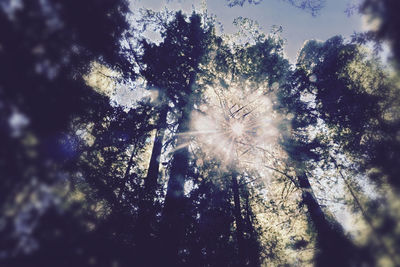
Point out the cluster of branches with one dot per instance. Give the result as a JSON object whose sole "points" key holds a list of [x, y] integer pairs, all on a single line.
{"points": [[312, 6]]}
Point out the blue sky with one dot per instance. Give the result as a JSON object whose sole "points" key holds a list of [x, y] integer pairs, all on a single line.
{"points": [[298, 25]]}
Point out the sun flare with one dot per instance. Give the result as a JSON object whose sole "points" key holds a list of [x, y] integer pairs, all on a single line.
{"points": [[235, 124], [237, 128]]}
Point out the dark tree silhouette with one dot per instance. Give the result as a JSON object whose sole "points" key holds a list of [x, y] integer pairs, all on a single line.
{"points": [[46, 47], [354, 96], [383, 15]]}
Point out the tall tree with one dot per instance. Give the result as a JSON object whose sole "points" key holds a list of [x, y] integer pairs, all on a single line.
{"points": [[230, 119], [172, 67], [355, 99], [46, 47], [304, 151], [192, 41]]}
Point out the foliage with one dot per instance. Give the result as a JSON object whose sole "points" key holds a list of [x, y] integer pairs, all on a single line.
{"points": [[312, 6]]}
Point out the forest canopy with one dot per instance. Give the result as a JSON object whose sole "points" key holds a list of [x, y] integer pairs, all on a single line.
{"points": [[198, 147]]}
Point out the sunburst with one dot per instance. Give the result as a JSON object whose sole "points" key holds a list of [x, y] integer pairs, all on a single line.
{"points": [[237, 129], [235, 124]]}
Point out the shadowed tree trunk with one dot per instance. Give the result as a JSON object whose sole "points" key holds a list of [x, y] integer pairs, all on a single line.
{"points": [[150, 183], [146, 213], [172, 222], [173, 65], [334, 247], [238, 219]]}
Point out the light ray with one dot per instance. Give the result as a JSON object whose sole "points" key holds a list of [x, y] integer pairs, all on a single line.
{"points": [[186, 144], [199, 132]]}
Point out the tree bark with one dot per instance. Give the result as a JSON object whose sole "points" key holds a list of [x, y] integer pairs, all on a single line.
{"points": [[172, 230], [238, 220], [154, 166], [146, 212], [334, 248]]}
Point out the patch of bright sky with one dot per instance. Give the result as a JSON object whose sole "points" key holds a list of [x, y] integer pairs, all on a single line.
{"points": [[298, 25]]}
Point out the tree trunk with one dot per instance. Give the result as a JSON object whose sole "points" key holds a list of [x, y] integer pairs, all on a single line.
{"points": [[126, 175], [252, 246], [172, 230], [150, 183], [238, 220], [378, 238], [334, 248], [146, 212]]}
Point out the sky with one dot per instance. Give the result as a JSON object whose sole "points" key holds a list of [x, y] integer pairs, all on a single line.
{"points": [[298, 25]]}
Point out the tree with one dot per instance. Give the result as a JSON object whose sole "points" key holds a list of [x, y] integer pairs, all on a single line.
{"points": [[347, 93], [230, 123], [193, 50], [46, 46], [382, 15], [172, 67], [355, 97], [304, 152]]}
